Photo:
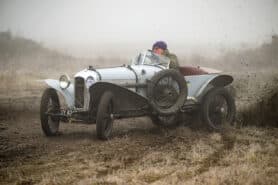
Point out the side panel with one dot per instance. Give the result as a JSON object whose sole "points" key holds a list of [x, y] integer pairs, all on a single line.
{"points": [[68, 93], [123, 100]]}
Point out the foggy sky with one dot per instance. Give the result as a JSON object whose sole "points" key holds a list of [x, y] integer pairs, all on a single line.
{"points": [[98, 23]]}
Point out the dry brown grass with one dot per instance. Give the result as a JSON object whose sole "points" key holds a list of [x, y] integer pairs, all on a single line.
{"points": [[151, 156]]}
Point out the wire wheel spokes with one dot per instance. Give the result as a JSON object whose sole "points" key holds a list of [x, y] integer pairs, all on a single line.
{"points": [[218, 110], [166, 92]]}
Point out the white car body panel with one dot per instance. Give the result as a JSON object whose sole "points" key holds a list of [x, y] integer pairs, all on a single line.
{"points": [[196, 83], [122, 75], [132, 74]]}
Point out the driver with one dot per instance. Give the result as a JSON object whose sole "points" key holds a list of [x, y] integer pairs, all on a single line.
{"points": [[160, 48]]}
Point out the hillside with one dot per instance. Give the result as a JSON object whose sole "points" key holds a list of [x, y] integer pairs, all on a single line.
{"points": [[19, 54]]}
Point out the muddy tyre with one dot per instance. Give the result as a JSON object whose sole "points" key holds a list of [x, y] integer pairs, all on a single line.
{"points": [[49, 104], [167, 92], [218, 109], [104, 121]]}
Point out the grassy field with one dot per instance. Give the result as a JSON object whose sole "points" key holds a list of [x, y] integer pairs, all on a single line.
{"points": [[139, 153]]}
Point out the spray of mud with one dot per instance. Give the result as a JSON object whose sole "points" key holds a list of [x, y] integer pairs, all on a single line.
{"points": [[262, 113]]}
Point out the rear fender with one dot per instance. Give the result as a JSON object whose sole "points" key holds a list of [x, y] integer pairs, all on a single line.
{"points": [[68, 93], [217, 81]]}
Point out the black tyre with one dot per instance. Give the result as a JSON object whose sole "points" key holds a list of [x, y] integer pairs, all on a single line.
{"points": [[49, 104], [167, 92], [218, 108], [104, 121]]}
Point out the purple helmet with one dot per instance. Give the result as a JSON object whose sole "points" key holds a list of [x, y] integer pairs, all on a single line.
{"points": [[160, 44]]}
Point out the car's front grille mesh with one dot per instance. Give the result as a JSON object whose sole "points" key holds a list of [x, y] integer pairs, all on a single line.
{"points": [[79, 92]]}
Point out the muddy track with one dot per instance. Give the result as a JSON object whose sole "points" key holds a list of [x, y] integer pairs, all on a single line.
{"points": [[214, 159], [138, 153]]}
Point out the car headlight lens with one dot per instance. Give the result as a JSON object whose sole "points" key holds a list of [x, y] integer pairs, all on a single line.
{"points": [[90, 81], [64, 81]]}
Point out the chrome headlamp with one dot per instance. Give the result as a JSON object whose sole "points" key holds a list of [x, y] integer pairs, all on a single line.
{"points": [[64, 81], [90, 81]]}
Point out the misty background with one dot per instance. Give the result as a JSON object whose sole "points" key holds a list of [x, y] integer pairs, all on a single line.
{"points": [[94, 28]]}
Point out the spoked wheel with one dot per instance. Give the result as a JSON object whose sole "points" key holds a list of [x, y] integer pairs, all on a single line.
{"points": [[104, 121], [167, 92], [218, 108], [50, 105]]}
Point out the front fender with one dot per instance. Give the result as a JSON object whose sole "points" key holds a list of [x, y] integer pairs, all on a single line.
{"points": [[68, 93]]}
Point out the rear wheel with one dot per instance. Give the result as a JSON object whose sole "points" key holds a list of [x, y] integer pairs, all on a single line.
{"points": [[49, 105], [218, 108], [104, 121]]}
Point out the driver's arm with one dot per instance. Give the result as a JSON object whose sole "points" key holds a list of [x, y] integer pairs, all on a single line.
{"points": [[174, 63]]}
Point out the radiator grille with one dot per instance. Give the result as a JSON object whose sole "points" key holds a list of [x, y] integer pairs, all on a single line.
{"points": [[79, 92]]}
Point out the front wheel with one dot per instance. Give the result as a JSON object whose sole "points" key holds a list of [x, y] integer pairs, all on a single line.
{"points": [[218, 108], [104, 121], [49, 105]]}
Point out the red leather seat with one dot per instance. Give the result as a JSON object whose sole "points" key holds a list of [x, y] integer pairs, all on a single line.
{"points": [[188, 71]]}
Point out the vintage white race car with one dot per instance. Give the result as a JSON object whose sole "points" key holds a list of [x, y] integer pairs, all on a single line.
{"points": [[147, 87]]}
